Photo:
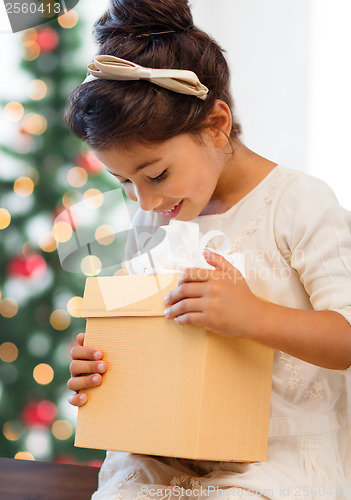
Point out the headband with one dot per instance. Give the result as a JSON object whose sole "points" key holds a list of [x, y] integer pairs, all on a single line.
{"points": [[178, 80]]}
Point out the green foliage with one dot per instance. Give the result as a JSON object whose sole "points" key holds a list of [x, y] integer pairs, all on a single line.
{"points": [[26, 425]]}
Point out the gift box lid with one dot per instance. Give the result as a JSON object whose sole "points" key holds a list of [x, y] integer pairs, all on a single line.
{"points": [[131, 295]]}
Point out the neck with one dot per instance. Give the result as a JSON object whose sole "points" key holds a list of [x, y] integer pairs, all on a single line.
{"points": [[241, 173]]}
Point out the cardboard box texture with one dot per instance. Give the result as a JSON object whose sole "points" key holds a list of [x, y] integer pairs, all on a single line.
{"points": [[170, 390]]}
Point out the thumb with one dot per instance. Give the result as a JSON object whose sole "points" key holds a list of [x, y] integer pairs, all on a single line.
{"points": [[217, 261]]}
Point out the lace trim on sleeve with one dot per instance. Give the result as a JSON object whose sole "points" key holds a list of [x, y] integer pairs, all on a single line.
{"points": [[253, 224]]}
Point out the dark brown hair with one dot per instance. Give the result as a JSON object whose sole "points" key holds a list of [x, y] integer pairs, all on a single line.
{"points": [[156, 34]]}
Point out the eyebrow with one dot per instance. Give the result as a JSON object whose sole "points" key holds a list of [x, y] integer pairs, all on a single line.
{"points": [[140, 167]]}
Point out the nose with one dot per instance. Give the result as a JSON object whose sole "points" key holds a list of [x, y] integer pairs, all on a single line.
{"points": [[147, 198]]}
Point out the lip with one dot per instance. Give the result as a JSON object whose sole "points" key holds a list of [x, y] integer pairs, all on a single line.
{"points": [[172, 212]]}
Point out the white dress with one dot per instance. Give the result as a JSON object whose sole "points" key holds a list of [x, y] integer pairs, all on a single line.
{"points": [[297, 244]]}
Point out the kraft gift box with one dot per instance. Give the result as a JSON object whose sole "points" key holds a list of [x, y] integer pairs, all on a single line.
{"points": [[170, 390]]}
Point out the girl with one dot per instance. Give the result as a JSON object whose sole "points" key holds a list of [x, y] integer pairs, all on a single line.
{"points": [[172, 141]]}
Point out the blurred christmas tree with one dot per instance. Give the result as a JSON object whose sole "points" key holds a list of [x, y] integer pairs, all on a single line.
{"points": [[43, 172]]}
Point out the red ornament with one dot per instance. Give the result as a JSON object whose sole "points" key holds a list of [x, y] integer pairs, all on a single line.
{"points": [[89, 162], [38, 413], [46, 411], [47, 39], [26, 267]]}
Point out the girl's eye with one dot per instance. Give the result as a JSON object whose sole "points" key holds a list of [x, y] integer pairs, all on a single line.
{"points": [[160, 177]]}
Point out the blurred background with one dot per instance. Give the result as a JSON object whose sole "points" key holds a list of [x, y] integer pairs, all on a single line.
{"points": [[290, 81]]}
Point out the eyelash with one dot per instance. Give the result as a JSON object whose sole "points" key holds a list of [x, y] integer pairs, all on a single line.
{"points": [[159, 178]]}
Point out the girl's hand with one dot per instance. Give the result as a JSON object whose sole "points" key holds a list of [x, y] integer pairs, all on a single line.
{"points": [[86, 367], [219, 300]]}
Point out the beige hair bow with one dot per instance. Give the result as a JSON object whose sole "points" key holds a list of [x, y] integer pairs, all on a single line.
{"points": [[177, 80]]}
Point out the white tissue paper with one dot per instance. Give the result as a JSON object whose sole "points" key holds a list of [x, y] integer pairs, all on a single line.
{"points": [[181, 246]]}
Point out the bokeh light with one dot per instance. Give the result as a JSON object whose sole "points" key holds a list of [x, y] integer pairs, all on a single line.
{"points": [[48, 38], [39, 344], [46, 411], [38, 443], [69, 19], [23, 186], [32, 50], [60, 319], [43, 374], [14, 111], [5, 218], [34, 124], [8, 352], [77, 177], [33, 174], [8, 373], [93, 198], [62, 429], [91, 265], [8, 307], [71, 197], [12, 431], [24, 455], [105, 234], [30, 34], [24, 143], [37, 90], [74, 306], [62, 231], [47, 242]]}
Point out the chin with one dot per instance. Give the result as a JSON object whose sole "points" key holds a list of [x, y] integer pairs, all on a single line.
{"points": [[186, 218]]}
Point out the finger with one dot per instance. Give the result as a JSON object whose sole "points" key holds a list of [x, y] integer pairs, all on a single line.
{"points": [[191, 319], [183, 307], [195, 274], [78, 399], [79, 367], [217, 261], [82, 352], [84, 382], [185, 290], [80, 338]]}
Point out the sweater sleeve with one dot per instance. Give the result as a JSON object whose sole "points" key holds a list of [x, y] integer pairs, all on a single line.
{"points": [[313, 233]]}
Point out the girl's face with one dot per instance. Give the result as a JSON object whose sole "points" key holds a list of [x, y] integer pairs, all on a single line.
{"points": [[176, 178]]}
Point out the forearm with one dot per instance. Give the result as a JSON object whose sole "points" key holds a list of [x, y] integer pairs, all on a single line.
{"points": [[322, 338]]}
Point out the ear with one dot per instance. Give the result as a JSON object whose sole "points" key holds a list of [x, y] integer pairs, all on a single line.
{"points": [[220, 123]]}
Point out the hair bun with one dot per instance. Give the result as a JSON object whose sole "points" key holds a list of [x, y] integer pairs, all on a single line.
{"points": [[126, 17]]}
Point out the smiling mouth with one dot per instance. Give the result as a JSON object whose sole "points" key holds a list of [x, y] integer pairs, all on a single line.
{"points": [[172, 211]]}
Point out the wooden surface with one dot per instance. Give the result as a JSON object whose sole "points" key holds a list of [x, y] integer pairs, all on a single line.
{"points": [[32, 480]]}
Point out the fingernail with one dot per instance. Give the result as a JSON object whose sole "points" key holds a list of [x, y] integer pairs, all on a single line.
{"points": [[98, 355], [101, 367], [167, 313], [82, 397], [96, 379], [167, 299]]}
